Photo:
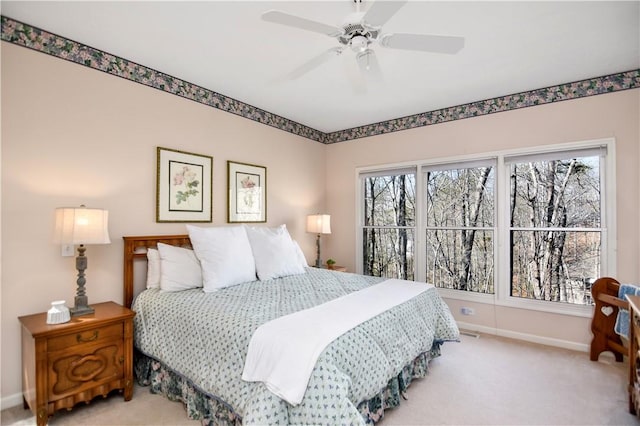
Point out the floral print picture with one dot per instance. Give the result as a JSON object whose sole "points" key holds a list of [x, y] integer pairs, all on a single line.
{"points": [[183, 187], [247, 192], [248, 200]]}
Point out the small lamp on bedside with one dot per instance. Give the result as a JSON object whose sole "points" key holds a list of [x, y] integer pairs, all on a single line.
{"points": [[80, 226], [319, 224]]}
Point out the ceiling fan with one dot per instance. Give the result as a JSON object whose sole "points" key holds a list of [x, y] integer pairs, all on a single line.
{"points": [[359, 32]]}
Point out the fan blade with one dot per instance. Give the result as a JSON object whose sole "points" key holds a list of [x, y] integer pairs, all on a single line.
{"points": [[423, 42], [369, 66], [315, 62], [302, 23], [354, 75], [381, 11]]}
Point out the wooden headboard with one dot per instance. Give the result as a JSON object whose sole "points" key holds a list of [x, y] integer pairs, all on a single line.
{"points": [[135, 248]]}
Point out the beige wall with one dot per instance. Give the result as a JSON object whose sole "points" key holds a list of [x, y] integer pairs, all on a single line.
{"points": [[72, 135], [612, 115]]}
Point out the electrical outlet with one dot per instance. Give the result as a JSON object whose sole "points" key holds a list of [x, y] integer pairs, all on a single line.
{"points": [[67, 250], [467, 311]]}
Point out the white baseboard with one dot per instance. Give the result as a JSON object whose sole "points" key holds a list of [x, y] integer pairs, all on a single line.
{"points": [[10, 401], [549, 341]]}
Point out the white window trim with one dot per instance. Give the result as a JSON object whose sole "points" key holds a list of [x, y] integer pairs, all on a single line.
{"points": [[375, 171], [607, 198], [467, 162], [502, 295]]}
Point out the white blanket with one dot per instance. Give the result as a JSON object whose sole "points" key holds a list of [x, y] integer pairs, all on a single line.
{"points": [[283, 352]]}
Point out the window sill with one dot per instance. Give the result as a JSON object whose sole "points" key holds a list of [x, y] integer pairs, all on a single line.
{"points": [[560, 308]]}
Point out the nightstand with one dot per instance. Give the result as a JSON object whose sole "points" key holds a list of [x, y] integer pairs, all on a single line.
{"points": [[334, 268], [63, 364]]}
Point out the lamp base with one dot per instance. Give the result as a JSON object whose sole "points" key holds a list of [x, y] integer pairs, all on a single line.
{"points": [[81, 301], [81, 307], [318, 261], [81, 310]]}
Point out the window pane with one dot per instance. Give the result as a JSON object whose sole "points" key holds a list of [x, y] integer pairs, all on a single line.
{"points": [[556, 266], [389, 215], [460, 197], [559, 194], [390, 200], [389, 253], [460, 259]]}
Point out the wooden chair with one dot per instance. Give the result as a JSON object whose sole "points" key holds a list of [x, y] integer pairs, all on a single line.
{"points": [[605, 294]]}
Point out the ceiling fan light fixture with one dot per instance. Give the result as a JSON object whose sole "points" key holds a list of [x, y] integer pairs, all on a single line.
{"points": [[359, 43]]}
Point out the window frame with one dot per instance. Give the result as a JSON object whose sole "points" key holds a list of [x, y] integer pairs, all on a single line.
{"points": [[424, 226], [361, 175], [502, 280]]}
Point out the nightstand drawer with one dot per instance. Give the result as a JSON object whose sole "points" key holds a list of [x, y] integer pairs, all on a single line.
{"points": [[83, 337], [75, 370]]}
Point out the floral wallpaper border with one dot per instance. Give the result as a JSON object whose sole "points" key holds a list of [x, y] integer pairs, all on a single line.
{"points": [[561, 92], [42, 41], [34, 38]]}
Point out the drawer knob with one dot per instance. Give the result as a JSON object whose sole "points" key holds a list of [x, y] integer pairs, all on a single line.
{"points": [[93, 337]]}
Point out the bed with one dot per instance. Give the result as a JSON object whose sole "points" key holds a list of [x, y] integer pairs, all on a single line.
{"points": [[191, 345]]}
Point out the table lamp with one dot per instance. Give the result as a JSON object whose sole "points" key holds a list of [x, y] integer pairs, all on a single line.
{"points": [[318, 224], [80, 226]]}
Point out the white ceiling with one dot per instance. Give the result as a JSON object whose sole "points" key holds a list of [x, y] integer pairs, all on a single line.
{"points": [[224, 46]]}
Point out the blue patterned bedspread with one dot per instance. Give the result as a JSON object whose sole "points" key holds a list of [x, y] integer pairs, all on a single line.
{"points": [[205, 336]]}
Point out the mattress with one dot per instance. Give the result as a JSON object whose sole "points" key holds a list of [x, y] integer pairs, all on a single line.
{"points": [[204, 337]]}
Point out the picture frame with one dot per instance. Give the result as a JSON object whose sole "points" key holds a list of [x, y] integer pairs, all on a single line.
{"points": [[247, 193], [184, 183]]}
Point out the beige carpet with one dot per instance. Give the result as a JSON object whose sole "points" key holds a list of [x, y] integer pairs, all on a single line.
{"points": [[486, 380]]}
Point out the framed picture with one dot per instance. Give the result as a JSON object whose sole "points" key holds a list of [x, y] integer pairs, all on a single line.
{"points": [[183, 186], [247, 199]]}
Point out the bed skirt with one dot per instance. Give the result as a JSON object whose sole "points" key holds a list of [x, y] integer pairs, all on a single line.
{"points": [[211, 410]]}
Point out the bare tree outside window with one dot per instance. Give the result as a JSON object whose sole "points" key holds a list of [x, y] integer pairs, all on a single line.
{"points": [[548, 218], [389, 226], [459, 233], [555, 229]]}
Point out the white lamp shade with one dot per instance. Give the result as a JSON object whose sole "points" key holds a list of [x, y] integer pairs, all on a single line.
{"points": [[319, 223], [80, 225]]}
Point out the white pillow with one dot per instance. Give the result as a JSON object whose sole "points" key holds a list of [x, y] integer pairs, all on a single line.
{"points": [[225, 255], [179, 268], [300, 255], [274, 252], [153, 268]]}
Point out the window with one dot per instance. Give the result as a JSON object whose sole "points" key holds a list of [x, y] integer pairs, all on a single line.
{"points": [[388, 231], [459, 226], [555, 225], [545, 216]]}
